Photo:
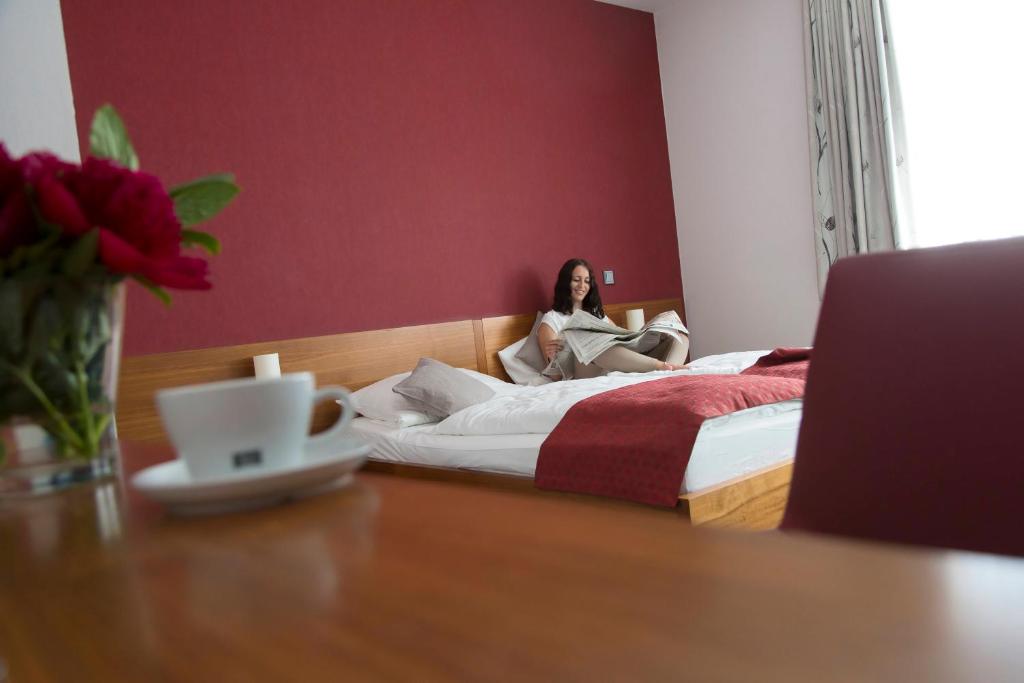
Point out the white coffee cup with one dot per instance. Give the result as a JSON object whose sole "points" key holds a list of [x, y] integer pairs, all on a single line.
{"points": [[249, 425]]}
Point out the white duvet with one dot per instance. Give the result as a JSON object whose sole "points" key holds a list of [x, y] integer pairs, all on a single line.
{"points": [[536, 410]]}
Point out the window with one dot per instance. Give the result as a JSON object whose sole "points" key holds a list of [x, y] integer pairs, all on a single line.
{"points": [[961, 73]]}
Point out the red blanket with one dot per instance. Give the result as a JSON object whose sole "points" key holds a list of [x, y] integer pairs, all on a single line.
{"points": [[635, 442], [782, 362]]}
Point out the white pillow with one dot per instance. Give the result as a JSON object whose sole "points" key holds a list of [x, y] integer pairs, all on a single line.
{"points": [[492, 382], [378, 402], [519, 370], [438, 389], [410, 418]]}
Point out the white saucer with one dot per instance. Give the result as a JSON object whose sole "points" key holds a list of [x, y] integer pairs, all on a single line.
{"points": [[170, 483]]}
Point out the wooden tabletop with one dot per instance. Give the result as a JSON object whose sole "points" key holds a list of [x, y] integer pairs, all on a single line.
{"points": [[396, 579]]}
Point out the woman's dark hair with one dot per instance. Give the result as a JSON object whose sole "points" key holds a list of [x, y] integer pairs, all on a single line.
{"points": [[563, 290]]}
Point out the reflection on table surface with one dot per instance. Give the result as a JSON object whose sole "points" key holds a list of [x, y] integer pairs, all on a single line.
{"points": [[403, 579]]}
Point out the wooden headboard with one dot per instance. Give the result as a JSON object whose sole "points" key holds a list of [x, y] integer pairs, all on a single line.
{"points": [[352, 359]]}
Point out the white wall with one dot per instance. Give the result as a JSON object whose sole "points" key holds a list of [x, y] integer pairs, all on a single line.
{"points": [[36, 110], [735, 111]]}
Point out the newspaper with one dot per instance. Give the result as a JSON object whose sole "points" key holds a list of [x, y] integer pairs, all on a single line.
{"points": [[587, 337]]}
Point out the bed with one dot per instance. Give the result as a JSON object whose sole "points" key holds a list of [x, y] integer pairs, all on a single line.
{"points": [[501, 438], [747, 488]]}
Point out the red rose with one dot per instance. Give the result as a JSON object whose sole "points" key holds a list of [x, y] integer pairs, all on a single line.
{"points": [[139, 232], [40, 165], [16, 224]]}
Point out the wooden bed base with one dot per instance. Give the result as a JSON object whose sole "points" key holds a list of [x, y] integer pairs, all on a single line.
{"points": [[356, 359], [755, 501]]}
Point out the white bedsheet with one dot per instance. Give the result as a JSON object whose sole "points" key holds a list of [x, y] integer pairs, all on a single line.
{"points": [[536, 410], [532, 410], [504, 435], [726, 447]]}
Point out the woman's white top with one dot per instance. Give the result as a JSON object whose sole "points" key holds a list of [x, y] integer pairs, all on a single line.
{"points": [[556, 321]]}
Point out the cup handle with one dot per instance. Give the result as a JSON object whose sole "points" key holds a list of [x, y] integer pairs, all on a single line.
{"points": [[348, 411]]}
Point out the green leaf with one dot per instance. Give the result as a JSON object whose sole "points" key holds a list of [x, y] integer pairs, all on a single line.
{"points": [[15, 399], [202, 239], [10, 319], [38, 269], [108, 138], [158, 291], [204, 198], [56, 380], [71, 297], [35, 252], [82, 254], [90, 329], [47, 329]]}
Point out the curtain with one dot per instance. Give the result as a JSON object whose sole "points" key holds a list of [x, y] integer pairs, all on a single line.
{"points": [[858, 150]]}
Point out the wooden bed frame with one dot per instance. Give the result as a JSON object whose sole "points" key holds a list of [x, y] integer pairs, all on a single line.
{"points": [[356, 359]]}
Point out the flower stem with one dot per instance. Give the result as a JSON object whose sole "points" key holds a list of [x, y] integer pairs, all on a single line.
{"points": [[85, 407], [65, 429]]}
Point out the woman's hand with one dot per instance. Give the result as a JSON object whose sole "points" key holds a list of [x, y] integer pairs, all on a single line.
{"points": [[549, 342], [551, 348]]}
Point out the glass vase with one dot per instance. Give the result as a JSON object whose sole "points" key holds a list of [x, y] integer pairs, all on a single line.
{"points": [[60, 348]]}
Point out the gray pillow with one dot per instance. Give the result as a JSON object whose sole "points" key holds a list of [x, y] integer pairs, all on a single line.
{"points": [[531, 353], [439, 390]]}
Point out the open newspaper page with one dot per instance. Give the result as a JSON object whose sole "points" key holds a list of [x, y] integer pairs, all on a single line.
{"points": [[587, 337]]}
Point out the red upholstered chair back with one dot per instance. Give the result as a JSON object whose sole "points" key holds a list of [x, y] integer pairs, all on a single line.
{"points": [[913, 426]]}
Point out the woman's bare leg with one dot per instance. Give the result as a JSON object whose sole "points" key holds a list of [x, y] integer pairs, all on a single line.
{"points": [[582, 371], [673, 351], [622, 359], [670, 351]]}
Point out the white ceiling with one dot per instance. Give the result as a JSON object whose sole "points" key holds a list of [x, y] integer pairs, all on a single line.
{"points": [[646, 5]]}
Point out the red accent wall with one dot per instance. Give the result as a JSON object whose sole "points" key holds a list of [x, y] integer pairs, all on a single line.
{"points": [[402, 161]]}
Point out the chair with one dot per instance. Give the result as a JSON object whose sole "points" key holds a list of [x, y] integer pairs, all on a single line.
{"points": [[912, 427]]}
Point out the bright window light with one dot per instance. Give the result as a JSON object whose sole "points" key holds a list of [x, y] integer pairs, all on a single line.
{"points": [[961, 73]]}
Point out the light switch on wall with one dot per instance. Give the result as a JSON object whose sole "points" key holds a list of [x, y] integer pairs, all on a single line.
{"points": [[609, 277]]}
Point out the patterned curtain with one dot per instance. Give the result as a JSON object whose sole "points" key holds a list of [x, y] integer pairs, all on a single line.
{"points": [[858, 149]]}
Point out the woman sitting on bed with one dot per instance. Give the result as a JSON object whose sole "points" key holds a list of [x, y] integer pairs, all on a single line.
{"points": [[576, 289]]}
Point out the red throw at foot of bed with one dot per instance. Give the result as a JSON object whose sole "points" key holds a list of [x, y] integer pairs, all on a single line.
{"points": [[634, 443], [782, 362]]}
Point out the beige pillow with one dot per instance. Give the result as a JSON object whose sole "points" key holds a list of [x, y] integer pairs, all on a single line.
{"points": [[531, 353], [439, 390], [519, 370]]}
